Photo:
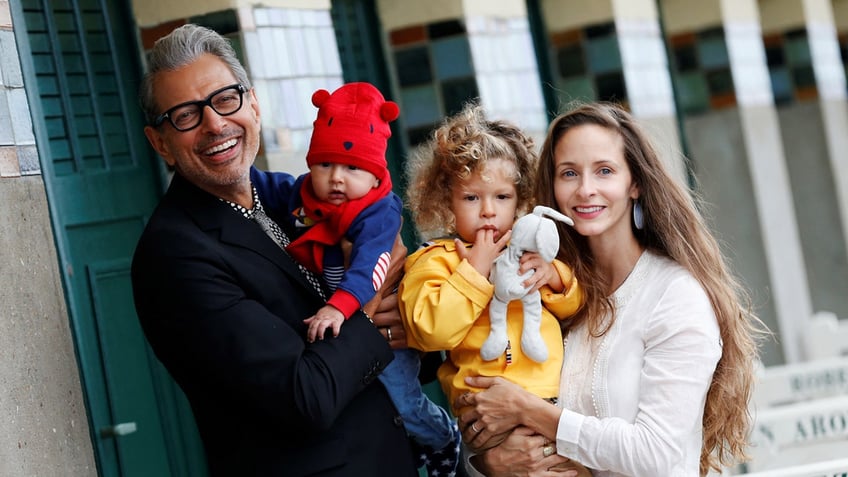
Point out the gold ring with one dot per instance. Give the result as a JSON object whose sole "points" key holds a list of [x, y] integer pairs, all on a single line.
{"points": [[474, 427], [548, 450], [388, 333]]}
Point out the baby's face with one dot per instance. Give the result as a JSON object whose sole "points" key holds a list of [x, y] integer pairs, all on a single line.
{"points": [[337, 183]]}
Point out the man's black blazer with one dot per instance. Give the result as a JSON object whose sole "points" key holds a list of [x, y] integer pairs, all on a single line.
{"points": [[223, 307]]}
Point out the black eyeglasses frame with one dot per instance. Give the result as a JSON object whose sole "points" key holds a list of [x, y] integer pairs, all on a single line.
{"points": [[202, 106]]}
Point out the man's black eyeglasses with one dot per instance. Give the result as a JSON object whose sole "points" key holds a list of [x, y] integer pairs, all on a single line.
{"points": [[188, 115]]}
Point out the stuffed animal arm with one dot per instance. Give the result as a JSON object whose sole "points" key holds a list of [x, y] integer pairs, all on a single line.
{"points": [[531, 233]]}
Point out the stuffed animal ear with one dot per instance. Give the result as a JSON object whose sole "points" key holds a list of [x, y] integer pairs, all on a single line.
{"points": [[547, 239], [319, 97], [541, 210]]}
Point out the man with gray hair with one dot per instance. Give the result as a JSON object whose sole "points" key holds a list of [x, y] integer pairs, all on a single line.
{"points": [[223, 305]]}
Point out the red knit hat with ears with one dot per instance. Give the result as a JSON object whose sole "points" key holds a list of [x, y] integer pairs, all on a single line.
{"points": [[352, 128]]}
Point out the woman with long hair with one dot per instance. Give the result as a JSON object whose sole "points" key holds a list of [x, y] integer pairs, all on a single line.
{"points": [[659, 360]]}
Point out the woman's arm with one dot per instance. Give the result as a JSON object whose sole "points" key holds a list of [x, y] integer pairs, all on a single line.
{"points": [[501, 407], [499, 413]]}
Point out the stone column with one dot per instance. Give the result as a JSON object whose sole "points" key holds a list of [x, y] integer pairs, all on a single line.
{"points": [[830, 81], [505, 63], [646, 73], [766, 161]]}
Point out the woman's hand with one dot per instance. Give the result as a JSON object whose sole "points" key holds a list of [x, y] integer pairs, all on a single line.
{"points": [[489, 421], [494, 411], [526, 454], [499, 408]]}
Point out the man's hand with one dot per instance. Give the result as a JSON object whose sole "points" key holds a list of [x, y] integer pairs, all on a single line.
{"points": [[383, 308], [388, 322]]}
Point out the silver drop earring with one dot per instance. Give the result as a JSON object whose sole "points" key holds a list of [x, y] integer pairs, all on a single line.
{"points": [[638, 215]]}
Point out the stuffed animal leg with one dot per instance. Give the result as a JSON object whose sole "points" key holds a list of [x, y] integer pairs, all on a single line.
{"points": [[497, 341], [532, 344]]}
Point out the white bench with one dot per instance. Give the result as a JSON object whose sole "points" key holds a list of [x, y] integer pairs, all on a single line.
{"points": [[830, 468], [825, 336], [800, 433], [796, 382]]}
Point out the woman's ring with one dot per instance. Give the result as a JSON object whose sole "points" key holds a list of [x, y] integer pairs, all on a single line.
{"points": [[548, 450], [388, 333], [474, 427]]}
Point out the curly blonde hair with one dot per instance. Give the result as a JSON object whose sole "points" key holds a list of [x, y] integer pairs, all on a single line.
{"points": [[461, 146], [674, 227]]}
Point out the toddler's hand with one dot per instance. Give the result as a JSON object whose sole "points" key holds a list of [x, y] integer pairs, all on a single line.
{"points": [[484, 250], [327, 317], [545, 273]]}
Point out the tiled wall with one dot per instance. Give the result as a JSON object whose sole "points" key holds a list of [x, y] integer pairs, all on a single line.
{"points": [[440, 66], [790, 66], [823, 43], [18, 155], [435, 73], [701, 66], [587, 64], [646, 68]]}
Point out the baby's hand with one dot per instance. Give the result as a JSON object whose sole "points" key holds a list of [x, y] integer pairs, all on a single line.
{"points": [[484, 250], [545, 273], [327, 317]]}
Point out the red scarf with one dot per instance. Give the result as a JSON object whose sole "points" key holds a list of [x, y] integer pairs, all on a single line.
{"points": [[331, 222]]}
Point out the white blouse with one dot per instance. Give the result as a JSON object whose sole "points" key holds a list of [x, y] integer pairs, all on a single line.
{"points": [[633, 400]]}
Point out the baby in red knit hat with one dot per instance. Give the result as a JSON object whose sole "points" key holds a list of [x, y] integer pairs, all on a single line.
{"points": [[347, 194]]}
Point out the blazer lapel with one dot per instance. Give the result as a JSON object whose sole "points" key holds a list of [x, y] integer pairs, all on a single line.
{"points": [[209, 212]]}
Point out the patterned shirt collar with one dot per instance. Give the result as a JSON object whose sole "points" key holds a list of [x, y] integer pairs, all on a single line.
{"points": [[247, 213]]}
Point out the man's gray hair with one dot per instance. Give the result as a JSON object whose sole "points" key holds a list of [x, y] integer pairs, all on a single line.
{"points": [[179, 48]]}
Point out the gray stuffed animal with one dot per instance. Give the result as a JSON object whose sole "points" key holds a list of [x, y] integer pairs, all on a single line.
{"points": [[531, 233]]}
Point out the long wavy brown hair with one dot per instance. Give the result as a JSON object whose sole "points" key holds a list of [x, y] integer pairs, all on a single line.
{"points": [[674, 227]]}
